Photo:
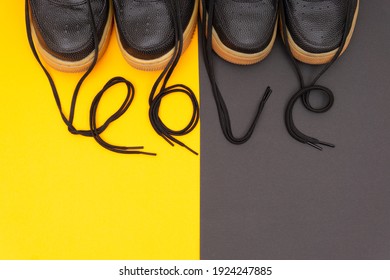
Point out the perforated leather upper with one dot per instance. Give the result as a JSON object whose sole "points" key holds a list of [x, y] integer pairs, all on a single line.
{"points": [[146, 28], [317, 26], [245, 25], [64, 27]]}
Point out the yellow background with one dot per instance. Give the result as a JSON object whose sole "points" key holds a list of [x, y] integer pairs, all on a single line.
{"points": [[64, 196]]}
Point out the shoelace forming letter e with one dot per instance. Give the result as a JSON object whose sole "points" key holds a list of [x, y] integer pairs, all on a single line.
{"points": [[304, 92]]}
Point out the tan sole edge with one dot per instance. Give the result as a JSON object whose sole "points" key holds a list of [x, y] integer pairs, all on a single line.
{"points": [[320, 58], [75, 66], [236, 57], [161, 62]]}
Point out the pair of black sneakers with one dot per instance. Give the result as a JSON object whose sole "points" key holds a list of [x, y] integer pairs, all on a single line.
{"points": [[71, 35], [63, 30], [243, 32]]}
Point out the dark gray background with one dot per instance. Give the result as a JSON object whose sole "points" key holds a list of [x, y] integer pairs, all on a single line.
{"points": [[275, 198]]}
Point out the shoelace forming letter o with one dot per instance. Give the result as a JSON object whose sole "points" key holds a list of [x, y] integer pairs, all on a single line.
{"points": [[160, 89]]}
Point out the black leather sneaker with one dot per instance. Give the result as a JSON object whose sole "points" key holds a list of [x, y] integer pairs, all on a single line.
{"points": [[244, 31], [63, 33], [315, 28], [146, 33]]}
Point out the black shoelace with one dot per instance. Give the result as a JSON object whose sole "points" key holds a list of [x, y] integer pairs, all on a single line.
{"points": [[304, 92], [223, 113], [94, 130], [160, 89]]}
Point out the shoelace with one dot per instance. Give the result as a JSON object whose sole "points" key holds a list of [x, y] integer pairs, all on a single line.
{"points": [[160, 89], [223, 113], [94, 130], [304, 92]]}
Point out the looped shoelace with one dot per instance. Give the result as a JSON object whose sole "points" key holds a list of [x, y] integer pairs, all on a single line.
{"points": [[160, 89], [304, 92], [223, 113], [94, 130]]}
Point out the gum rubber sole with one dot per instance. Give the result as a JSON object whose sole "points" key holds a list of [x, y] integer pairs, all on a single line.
{"points": [[161, 62], [319, 58], [236, 57], [75, 66]]}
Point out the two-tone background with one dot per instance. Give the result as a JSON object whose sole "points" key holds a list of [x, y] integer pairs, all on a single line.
{"points": [[64, 197]]}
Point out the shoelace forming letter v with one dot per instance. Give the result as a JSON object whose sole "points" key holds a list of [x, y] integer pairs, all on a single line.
{"points": [[223, 113]]}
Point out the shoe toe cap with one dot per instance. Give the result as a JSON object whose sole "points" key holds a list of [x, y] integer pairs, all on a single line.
{"points": [[146, 30], [65, 31], [316, 26], [245, 27]]}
